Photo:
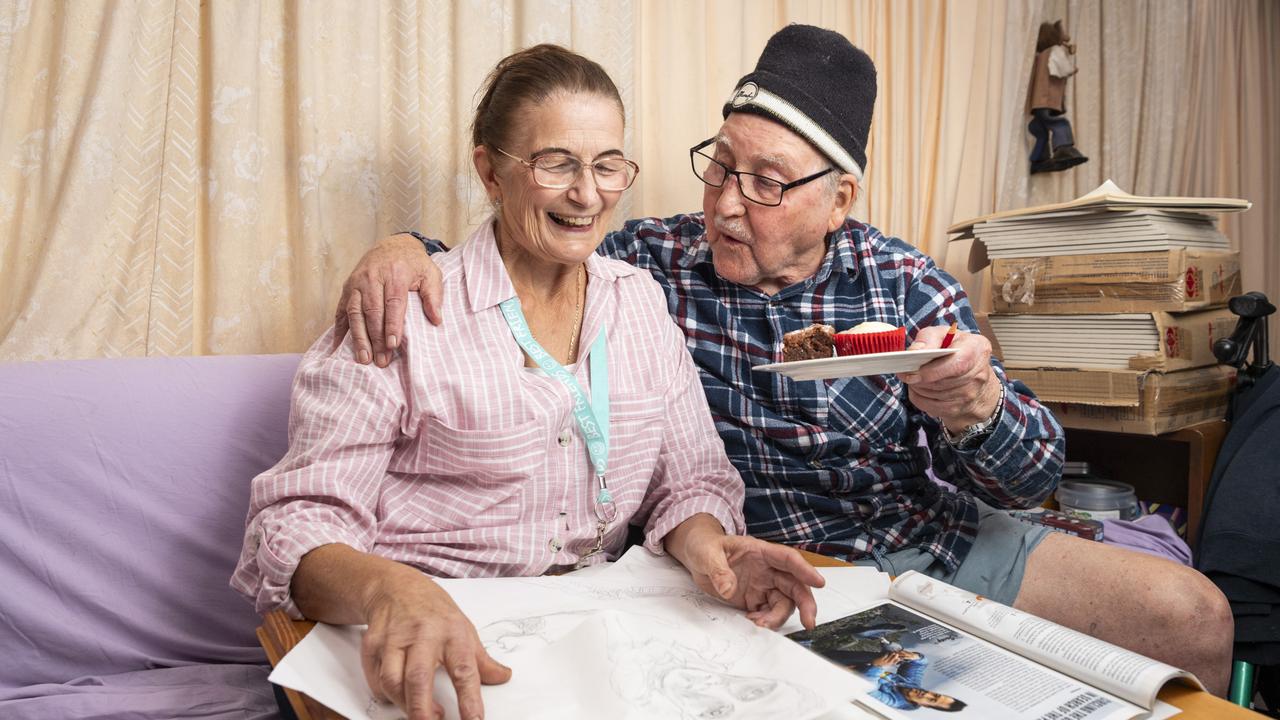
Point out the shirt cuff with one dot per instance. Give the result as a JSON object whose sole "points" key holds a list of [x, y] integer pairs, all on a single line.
{"points": [[1003, 455], [278, 553], [731, 521], [1005, 438]]}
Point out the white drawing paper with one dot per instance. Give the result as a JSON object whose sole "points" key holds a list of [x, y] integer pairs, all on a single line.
{"points": [[635, 636]]}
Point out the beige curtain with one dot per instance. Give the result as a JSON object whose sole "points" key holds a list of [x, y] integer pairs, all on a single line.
{"points": [[183, 177], [1232, 136], [1173, 97], [937, 63]]}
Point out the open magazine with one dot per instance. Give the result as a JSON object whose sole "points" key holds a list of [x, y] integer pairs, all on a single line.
{"points": [[936, 651]]}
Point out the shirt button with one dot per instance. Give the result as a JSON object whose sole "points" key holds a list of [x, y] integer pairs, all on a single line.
{"points": [[565, 438], [555, 544]]}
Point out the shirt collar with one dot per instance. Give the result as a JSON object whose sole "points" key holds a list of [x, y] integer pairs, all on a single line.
{"points": [[486, 277]]}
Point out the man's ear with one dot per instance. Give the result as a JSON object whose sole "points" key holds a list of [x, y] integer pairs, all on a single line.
{"points": [[842, 201], [485, 169]]}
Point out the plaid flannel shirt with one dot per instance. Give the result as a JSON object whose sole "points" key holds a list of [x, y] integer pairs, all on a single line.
{"points": [[841, 467]]}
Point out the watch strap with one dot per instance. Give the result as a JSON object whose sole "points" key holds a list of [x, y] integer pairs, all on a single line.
{"points": [[426, 242], [973, 435]]}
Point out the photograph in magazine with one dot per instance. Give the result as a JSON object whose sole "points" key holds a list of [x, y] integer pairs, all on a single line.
{"points": [[921, 669]]}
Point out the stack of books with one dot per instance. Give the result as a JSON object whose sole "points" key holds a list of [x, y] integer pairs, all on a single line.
{"points": [[1108, 306], [1098, 231]]}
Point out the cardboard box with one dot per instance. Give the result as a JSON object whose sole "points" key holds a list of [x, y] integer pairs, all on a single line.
{"points": [[962, 254], [1186, 339], [1169, 401], [1108, 388], [1169, 280]]}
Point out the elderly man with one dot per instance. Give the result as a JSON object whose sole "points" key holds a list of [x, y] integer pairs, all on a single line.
{"points": [[842, 467]]}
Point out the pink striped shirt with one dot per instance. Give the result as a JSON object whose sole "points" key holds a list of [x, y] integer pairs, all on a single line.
{"points": [[460, 461]]}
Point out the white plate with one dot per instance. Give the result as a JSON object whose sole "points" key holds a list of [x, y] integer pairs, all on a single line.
{"points": [[856, 365]]}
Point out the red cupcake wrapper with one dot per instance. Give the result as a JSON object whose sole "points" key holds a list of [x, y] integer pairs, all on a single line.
{"points": [[865, 343]]}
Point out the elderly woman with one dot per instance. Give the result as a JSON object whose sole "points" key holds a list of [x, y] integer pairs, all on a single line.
{"points": [[553, 407]]}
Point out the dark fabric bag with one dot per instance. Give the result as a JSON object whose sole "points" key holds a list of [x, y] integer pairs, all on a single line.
{"points": [[1239, 547]]}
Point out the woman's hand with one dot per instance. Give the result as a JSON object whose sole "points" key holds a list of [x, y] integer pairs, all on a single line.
{"points": [[767, 580], [373, 299], [414, 628]]}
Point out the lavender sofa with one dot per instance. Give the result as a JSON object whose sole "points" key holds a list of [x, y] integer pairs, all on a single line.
{"points": [[123, 490]]}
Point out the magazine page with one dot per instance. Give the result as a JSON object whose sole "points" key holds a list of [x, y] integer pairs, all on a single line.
{"points": [[1111, 668], [920, 668]]}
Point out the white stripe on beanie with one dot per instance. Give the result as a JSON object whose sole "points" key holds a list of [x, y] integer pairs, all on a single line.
{"points": [[752, 94]]}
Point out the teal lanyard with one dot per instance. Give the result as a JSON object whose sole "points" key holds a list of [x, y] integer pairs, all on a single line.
{"points": [[593, 416]]}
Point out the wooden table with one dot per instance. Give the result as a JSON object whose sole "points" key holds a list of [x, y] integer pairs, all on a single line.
{"points": [[279, 634]]}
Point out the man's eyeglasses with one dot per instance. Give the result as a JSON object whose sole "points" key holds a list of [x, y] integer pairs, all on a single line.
{"points": [[558, 171], [756, 188]]}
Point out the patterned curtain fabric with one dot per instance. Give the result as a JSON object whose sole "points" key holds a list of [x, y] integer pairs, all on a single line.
{"points": [[185, 177], [179, 177], [930, 152], [1173, 97]]}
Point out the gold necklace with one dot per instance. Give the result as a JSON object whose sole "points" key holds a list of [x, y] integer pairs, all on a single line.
{"points": [[577, 320]]}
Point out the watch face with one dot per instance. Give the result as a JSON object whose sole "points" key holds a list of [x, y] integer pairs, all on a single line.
{"points": [[971, 436], [974, 435]]}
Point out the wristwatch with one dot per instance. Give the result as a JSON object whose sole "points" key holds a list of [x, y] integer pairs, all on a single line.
{"points": [[420, 238], [973, 435]]}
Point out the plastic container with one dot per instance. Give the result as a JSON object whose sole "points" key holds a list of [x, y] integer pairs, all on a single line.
{"points": [[1097, 499]]}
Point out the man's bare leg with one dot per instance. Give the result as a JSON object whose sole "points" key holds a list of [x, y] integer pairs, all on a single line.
{"points": [[1147, 604]]}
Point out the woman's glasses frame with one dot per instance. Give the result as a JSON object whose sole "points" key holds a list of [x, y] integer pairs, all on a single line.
{"points": [[540, 168]]}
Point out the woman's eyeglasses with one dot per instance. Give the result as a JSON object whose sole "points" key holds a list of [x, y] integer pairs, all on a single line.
{"points": [[558, 171]]}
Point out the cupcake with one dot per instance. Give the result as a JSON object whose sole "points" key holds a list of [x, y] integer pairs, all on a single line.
{"points": [[810, 343], [870, 337]]}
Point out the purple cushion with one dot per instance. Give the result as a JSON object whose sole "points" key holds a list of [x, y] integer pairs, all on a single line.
{"points": [[208, 692], [123, 490]]}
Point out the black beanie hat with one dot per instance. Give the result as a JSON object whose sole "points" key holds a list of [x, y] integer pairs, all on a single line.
{"points": [[817, 83]]}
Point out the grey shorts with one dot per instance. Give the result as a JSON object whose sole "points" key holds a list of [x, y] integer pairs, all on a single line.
{"points": [[995, 564]]}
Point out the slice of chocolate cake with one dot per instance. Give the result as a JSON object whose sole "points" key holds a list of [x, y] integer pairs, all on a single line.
{"points": [[812, 342]]}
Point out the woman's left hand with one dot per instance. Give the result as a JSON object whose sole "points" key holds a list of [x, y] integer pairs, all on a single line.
{"points": [[767, 580]]}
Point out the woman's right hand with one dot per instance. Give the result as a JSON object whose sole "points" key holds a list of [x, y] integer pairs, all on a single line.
{"points": [[415, 628], [373, 302]]}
